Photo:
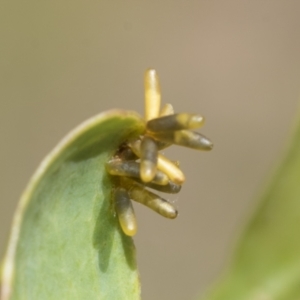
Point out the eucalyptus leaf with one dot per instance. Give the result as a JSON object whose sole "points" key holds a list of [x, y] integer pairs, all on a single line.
{"points": [[266, 265], [66, 242]]}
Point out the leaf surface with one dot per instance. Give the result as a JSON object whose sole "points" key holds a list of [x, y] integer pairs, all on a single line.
{"points": [[66, 242]]}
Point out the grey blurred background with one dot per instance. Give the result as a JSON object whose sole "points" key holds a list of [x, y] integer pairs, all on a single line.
{"points": [[235, 62]]}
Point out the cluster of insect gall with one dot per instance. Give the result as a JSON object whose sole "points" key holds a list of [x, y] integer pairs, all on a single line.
{"points": [[138, 164]]}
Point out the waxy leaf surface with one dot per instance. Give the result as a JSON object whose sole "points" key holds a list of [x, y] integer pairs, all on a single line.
{"points": [[66, 242]]}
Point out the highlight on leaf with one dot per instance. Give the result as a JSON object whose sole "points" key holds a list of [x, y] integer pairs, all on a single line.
{"points": [[138, 165]]}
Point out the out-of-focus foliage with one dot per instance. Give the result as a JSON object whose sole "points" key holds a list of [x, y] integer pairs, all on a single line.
{"points": [[266, 265]]}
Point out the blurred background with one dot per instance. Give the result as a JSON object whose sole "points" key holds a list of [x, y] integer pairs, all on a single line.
{"points": [[235, 62]]}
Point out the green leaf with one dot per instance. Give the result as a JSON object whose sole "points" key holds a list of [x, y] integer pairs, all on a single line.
{"points": [[66, 242], [267, 262]]}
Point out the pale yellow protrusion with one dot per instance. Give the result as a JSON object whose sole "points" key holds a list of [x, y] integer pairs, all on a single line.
{"points": [[148, 159], [148, 170], [176, 163], [196, 121], [163, 164], [191, 121], [192, 140], [167, 110], [125, 212], [139, 194], [136, 147], [128, 224], [170, 169], [152, 94]]}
